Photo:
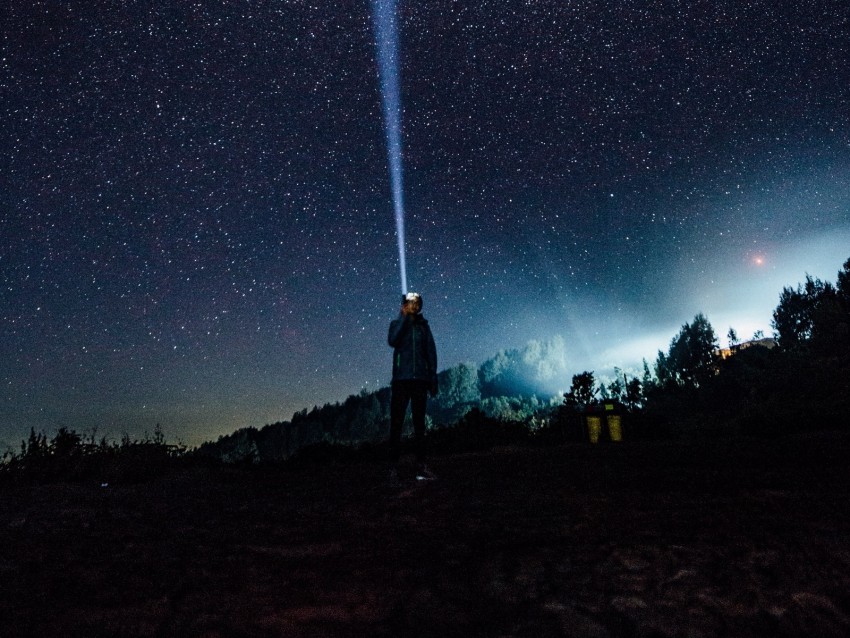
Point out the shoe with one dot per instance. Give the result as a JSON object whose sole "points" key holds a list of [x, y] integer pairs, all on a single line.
{"points": [[425, 474]]}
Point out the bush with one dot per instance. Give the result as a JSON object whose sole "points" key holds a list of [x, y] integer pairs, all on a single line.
{"points": [[68, 457]]}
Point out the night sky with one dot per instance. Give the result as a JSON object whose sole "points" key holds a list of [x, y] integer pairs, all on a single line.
{"points": [[196, 224]]}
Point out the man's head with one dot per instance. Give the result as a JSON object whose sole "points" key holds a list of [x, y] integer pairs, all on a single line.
{"points": [[411, 303]]}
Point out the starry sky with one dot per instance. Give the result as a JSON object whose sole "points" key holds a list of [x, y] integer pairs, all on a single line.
{"points": [[196, 225]]}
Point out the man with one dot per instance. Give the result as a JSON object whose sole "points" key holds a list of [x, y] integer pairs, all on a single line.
{"points": [[414, 376]]}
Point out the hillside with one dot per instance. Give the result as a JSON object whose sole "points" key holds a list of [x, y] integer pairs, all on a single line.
{"points": [[733, 538], [514, 384]]}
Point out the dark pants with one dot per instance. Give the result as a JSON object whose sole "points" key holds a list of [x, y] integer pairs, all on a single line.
{"points": [[415, 393]]}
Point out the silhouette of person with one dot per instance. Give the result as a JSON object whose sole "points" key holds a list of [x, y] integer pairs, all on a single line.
{"points": [[414, 376]]}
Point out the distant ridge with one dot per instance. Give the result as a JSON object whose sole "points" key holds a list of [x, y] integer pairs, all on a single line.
{"points": [[514, 384]]}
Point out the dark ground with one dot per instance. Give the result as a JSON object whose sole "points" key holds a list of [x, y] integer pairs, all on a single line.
{"points": [[736, 538]]}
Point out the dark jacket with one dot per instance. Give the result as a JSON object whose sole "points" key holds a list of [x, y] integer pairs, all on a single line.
{"points": [[414, 354]]}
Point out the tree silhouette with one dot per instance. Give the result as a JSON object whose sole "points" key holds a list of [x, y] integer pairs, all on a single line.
{"points": [[732, 336], [582, 391], [691, 357], [831, 316], [795, 316]]}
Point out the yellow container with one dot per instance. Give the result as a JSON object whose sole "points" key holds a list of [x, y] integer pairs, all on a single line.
{"points": [[615, 427], [594, 428]]}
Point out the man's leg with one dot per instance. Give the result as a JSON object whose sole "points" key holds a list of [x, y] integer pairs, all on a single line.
{"points": [[398, 407], [419, 401]]}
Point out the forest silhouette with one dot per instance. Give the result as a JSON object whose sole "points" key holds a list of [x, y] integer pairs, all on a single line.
{"points": [[797, 381]]}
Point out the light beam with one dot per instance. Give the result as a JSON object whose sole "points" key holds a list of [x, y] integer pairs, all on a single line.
{"points": [[386, 39]]}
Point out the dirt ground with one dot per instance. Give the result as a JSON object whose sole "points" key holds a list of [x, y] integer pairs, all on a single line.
{"points": [[735, 538]]}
